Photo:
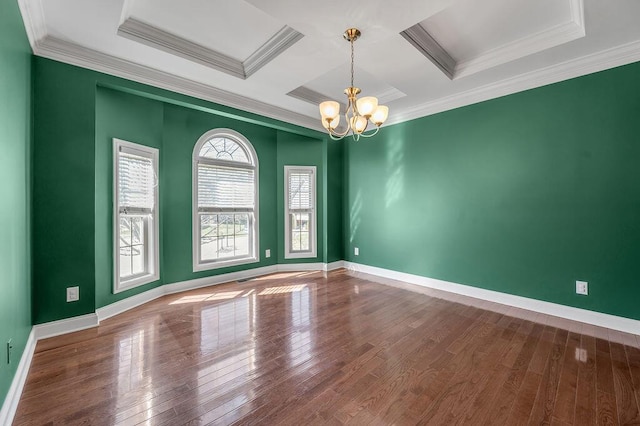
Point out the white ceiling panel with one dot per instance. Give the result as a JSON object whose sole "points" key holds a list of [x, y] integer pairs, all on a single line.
{"points": [[497, 47], [232, 27], [470, 28]]}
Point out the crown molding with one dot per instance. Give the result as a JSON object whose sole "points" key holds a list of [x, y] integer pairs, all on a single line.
{"points": [[526, 46], [599, 61], [420, 38], [71, 53], [423, 41], [154, 37], [32, 12], [141, 32], [281, 41]]}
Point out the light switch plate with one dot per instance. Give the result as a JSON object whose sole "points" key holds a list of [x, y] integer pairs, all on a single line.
{"points": [[582, 287]]}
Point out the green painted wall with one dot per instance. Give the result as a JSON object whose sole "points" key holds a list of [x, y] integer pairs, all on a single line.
{"points": [[524, 194], [15, 188], [296, 150], [78, 113], [63, 190]]}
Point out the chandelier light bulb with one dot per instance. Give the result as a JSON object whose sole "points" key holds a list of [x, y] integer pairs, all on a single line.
{"points": [[380, 115], [329, 110], [331, 124], [367, 105], [359, 124]]}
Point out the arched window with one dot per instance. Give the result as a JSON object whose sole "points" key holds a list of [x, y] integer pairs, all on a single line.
{"points": [[225, 200]]}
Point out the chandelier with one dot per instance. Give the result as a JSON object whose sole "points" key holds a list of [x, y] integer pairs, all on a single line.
{"points": [[360, 113]]}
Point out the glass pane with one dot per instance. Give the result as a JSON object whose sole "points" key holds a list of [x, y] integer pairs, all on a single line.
{"points": [[208, 236], [137, 259], [137, 230], [295, 241], [224, 149], [303, 221], [300, 223], [304, 241], [125, 231], [226, 240], [242, 235], [125, 262]]}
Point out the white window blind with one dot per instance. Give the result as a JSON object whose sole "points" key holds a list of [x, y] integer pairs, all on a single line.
{"points": [[136, 182], [225, 188], [300, 190]]}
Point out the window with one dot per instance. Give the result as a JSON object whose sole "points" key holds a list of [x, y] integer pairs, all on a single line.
{"points": [[225, 201], [300, 220], [135, 215]]}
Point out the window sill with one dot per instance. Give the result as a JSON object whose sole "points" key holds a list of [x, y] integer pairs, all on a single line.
{"points": [[300, 255], [135, 282], [207, 266]]}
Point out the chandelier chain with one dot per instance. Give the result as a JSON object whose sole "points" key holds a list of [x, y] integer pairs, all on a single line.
{"points": [[352, 58]]}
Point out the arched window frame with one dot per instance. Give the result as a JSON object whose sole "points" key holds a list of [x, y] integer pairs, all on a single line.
{"points": [[254, 240]]}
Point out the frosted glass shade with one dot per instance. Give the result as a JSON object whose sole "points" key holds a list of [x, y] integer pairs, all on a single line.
{"points": [[331, 124], [380, 115], [367, 105], [329, 109], [358, 124]]}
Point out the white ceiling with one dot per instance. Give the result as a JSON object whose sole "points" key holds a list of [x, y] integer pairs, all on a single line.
{"points": [[267, 56]]}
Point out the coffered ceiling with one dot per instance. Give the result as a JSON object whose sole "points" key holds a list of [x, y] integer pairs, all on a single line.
{"points": [[279, 58]]}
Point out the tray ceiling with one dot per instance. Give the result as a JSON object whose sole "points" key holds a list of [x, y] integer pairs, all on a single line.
{"points": [[279, 58]]}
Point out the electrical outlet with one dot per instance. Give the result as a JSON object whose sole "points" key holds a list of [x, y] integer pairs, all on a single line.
{"points": [[73, 294], [356, 251], [9, 350], [582, 287], [267, 253]]}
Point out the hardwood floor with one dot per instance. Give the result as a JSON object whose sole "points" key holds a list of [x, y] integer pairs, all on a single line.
{"points": [[337, 348]]}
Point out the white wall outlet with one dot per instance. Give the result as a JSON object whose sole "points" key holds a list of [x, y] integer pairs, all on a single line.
{"points": [[582, 287], [73, 294], [267, 253], [356, 251]]}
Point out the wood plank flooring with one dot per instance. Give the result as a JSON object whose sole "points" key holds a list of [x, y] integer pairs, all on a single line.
{"points": [[337, 348]]}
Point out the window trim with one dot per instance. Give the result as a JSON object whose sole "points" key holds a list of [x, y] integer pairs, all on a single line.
{"points": [[313, 229], [151, 235], [195, 231]]}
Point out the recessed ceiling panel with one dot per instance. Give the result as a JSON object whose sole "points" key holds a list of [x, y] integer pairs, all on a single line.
{"points": [[331, 85], [231, 27], [471, 36], [328, 19]]}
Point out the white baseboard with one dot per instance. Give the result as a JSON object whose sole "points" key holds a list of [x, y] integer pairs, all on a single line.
{"points": [[10, 405], [218, 279], [301, 267], [334, 265], [128, 303], [626, 325], [64, 326]]}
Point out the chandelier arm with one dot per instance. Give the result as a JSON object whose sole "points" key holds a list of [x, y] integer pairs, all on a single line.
{"points": [[368, 135], [336, 138]]}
